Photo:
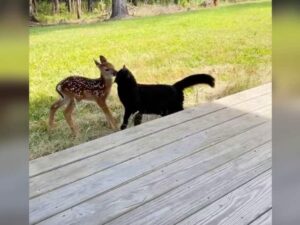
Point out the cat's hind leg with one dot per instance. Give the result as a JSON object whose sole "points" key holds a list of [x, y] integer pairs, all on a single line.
{"points": [[138, 119]]}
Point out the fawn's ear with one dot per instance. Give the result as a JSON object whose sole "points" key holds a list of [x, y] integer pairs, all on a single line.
{"points": [[96, 62], [102, 59]]}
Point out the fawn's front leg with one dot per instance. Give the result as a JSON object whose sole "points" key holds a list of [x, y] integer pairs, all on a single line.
{"points": [[68, 116], [110, 119]]}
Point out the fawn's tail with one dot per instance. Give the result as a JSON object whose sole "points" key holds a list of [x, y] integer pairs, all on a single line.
{"points": [[58, 89]]}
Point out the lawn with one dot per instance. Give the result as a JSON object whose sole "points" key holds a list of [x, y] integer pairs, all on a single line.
{"points": [[232, 43]]}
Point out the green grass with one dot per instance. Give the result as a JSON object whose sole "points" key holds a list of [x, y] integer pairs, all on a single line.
{"points": [[232, 43]]}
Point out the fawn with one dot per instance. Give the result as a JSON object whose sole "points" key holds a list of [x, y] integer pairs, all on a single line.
{"points": [[81, 88]]}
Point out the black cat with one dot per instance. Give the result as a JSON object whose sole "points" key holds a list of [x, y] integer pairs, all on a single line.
{"points": [[151, 98]]}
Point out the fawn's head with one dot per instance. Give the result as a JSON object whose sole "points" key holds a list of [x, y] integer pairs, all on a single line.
{"points": [[106, 68]]}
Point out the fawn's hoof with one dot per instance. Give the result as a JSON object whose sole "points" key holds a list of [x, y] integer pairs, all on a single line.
{"points": [[52, 125], [113, 126], [75, 134]]}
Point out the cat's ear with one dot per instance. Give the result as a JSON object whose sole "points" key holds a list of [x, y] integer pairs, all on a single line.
{"points": [[124, 66]]}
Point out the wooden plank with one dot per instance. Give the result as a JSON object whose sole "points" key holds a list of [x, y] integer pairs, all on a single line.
{"points": [[187, 199], [97, 146], [241, 206], [81, 190], [48, 204], [75, 171], [129, 196], [265, 219]]}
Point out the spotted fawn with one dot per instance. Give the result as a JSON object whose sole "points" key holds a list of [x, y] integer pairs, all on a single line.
{"points": [[81, 88]]}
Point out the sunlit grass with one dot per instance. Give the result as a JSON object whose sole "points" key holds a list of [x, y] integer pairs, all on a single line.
{"points": [[232, 43]]}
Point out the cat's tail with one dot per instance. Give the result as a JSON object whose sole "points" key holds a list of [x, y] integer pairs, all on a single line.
{"points": [[193, 80]]}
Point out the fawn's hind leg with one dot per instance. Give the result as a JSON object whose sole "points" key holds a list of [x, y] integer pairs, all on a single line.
{"points": [[68, 115], [54, 107], [110, 119]]}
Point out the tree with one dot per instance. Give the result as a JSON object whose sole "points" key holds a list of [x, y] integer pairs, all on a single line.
{"points": [[55, 6], [135, 2], [69, 5], [90, 5], [209, 3], [119, 9], [73, 5], [33, 11], [78, 8], [35, 7]]}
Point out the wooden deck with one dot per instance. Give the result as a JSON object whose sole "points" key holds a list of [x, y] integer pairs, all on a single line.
{"points": [[205, 165]]}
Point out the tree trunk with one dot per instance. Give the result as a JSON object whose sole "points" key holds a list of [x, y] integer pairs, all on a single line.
{"points": [[69, 5], [32, 11], [55, 6], [119, 9], [210, 3], [78, 7], [90, 5], [135, 2], [73, 5], [35, 7]]}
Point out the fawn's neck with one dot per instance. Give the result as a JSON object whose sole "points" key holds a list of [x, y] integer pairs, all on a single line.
{"points": [[107, 81]]}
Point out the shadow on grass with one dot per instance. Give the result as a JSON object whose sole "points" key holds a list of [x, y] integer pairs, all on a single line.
{"points": [[87, 115]]}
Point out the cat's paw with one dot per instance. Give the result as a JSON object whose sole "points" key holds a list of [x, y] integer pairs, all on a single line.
{"points": [[123, 126]]}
